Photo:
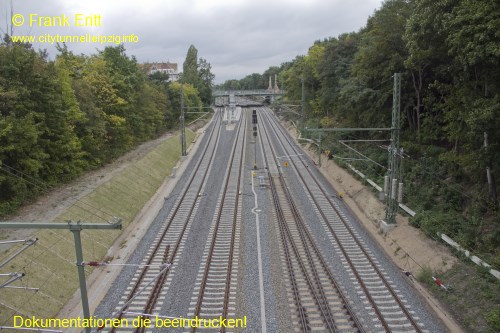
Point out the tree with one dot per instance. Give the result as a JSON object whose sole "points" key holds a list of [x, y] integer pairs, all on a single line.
{"points": [[61, 117], [475, 47], [207, 79], [190, 67], [37, 129], [198, 74], [334, 70], [190, 94], [381, 53], [427, 57]]}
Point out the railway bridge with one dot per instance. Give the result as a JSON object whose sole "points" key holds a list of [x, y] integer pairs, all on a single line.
{"points": [[235, 97]]}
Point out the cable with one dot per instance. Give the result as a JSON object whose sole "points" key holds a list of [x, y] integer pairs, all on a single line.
{"points": [[29, 298], [454, 187], [45, 190], [80, 203]]}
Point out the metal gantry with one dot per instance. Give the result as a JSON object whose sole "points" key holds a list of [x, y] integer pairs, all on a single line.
{"points": [[255, 92], [182, 125], [182, 121], [395, 152], [75, 228]]}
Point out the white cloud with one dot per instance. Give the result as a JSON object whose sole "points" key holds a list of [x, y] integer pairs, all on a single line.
{"points": [[238, 37]]}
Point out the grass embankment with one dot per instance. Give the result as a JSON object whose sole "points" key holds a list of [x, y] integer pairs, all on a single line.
{"points": [[50, 264], [473, 297]]}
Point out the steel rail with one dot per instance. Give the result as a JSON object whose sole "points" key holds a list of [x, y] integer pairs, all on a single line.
{"points": [[346, 255], [353, 236], [319, 297], [153, 297], [303, 318], [155, 293], [306, 238], [232, 168], [314, 286]]}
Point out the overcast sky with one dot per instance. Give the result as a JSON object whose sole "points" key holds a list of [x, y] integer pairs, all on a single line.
{"points": [[237, 37]]}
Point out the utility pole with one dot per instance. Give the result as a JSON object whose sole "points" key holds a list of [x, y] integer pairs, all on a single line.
{"points": [[75, 228], [302, 103], [254, 122], [182, 124], [320, 147], [489, 174], [394, 155]]}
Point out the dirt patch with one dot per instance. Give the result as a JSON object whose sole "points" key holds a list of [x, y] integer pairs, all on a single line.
{"points": [[48, 207], [58, 200], [407, 246]]}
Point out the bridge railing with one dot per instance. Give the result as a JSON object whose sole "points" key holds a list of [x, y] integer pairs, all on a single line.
{"points": [[257, 92]]}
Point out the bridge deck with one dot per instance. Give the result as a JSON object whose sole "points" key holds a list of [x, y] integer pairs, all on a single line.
{"points": [[262, 92]]}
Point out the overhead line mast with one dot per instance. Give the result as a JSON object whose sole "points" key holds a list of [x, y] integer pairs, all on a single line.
{"points": [[75, 228], [395, 153], [393, 179]]}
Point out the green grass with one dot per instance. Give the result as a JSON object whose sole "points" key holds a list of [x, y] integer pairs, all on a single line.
{"points": [[50, 264], [473, 298]]}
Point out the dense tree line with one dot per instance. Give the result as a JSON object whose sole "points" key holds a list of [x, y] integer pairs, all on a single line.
{"points": [[64, 116], [253, 81], [448, 52]]}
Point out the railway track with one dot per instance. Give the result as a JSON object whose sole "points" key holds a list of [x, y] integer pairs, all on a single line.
{"points": [[150, 283], [214, 294], [387, 307], [319, 302]]}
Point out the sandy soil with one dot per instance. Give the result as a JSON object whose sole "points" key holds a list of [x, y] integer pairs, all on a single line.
{"points": [[407, 246]]}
